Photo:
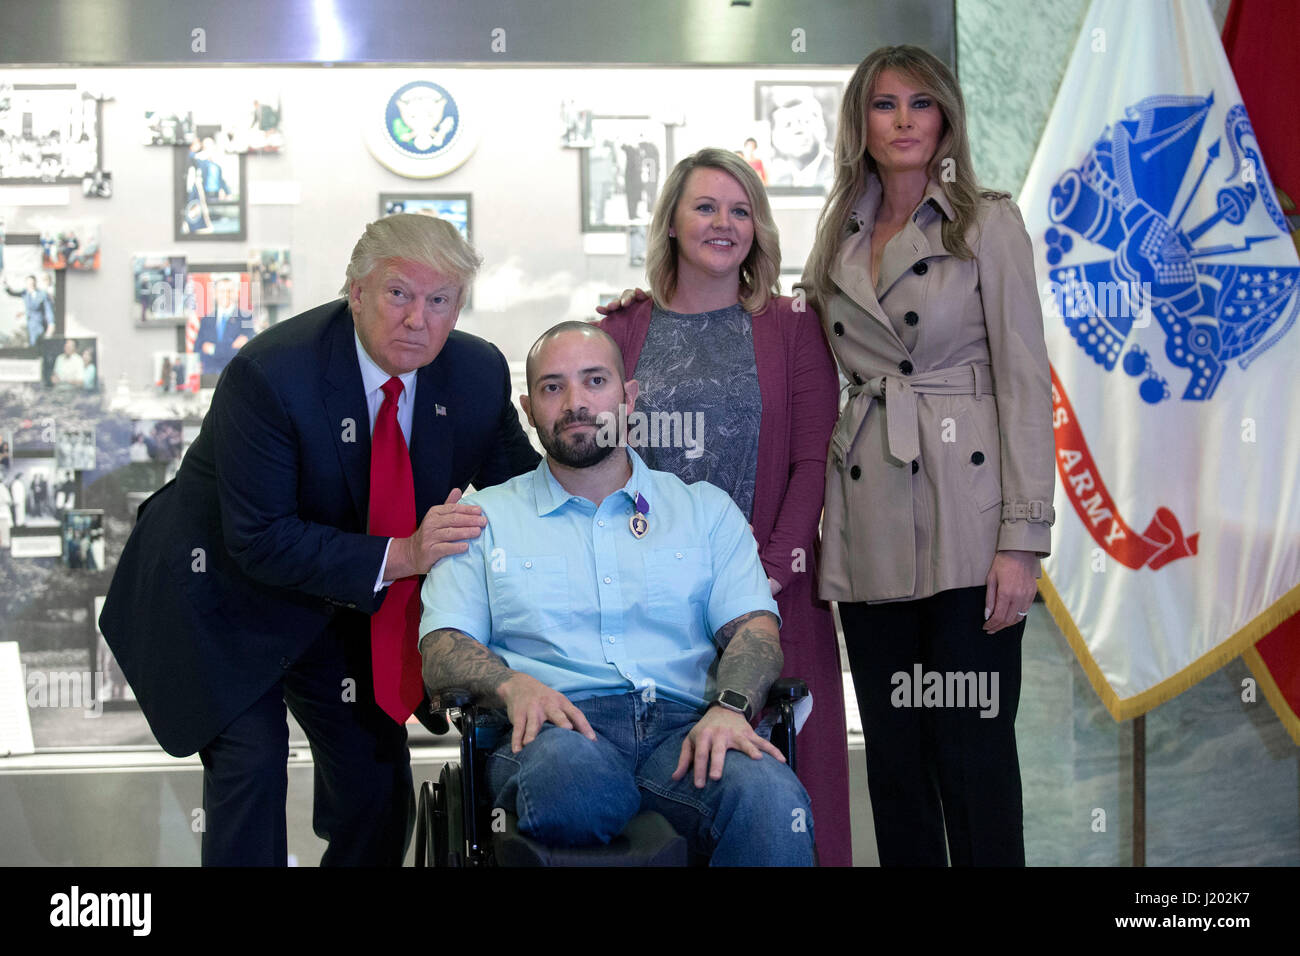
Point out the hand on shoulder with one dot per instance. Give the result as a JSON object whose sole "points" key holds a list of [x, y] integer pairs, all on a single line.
{"points": [[628, 297]]}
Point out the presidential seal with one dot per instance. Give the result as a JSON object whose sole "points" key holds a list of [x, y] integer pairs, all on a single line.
{"points": [[421, 130]]}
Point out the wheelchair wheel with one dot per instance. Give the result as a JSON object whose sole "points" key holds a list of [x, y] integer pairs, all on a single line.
{"points": [[424, 803], [447, 833]]}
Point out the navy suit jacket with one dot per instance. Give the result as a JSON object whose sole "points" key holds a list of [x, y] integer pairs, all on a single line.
{"points": [[239, 323], [258, 545]]}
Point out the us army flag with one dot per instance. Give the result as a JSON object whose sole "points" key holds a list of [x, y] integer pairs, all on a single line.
{"points": [[1170, 292]]}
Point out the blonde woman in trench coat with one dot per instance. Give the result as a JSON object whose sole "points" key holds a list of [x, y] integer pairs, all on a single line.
{"points": [[940, 472]]}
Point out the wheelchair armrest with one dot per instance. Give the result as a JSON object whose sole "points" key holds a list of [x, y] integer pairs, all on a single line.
{"points": [[434, 710], [786, 688], [784, 693], [442, 703], [449, 697]]}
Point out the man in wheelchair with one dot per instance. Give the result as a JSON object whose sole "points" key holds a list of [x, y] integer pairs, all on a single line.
{"points": [[622, 620]]}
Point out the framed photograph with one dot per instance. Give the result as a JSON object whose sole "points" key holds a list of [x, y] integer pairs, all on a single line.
{"points": [[621, 171], [799, 121], [255, 127], [189, 434], [177, 371], [83, 540], [70, 365], [159, 280], [223, 311], [67, 491], [575, 126], [157, 440], [210, 199], [749, 153], [33, 436], [98, 185], [271, 274], [454, 207], [75, 449], [31, 310], [114, 693], [71, 246], [168, 127], [32, 481], [51, 133]]}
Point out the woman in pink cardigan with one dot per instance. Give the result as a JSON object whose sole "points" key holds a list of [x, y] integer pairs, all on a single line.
{"points": [[749, 375]]}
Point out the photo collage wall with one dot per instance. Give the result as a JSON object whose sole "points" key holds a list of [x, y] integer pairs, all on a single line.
{"points": [[78, 454], [75, 466]]}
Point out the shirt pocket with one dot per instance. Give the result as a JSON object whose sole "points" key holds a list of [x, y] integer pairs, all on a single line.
{"points": [[677, 584], [532, 596]]}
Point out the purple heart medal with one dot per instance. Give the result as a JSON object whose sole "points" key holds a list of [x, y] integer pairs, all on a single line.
{"points": [[638, 522]]}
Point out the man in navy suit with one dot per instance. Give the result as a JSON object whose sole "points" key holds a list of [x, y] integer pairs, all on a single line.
{"points": [[249, 580], [225, 331]]}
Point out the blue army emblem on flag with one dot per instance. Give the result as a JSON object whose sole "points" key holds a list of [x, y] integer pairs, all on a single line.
{"points": [[1203, 266]]}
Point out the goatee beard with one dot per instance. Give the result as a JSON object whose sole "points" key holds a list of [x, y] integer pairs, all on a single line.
{"points": [[583, 452]]}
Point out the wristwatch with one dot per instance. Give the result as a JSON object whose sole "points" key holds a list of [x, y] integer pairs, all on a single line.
{"points": [[734, 700]]}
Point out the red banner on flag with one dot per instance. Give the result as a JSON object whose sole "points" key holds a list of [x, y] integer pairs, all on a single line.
{"points": [[1163, 540]]}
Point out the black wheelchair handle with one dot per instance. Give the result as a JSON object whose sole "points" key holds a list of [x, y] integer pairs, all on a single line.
{"points": [[787, 688], [449, 697]]}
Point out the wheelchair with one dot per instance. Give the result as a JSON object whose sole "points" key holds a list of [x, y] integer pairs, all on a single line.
{"points": [[456, 826]]}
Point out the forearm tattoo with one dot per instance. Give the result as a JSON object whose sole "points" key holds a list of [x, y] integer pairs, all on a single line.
{"points": [[452, 659], [751, 655]]}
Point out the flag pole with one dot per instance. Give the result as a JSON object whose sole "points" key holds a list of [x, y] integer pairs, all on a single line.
{"points": [[1140, 790]]}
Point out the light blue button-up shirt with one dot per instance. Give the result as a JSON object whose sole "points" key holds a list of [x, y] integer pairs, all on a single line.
{"points": [[563, 591]]}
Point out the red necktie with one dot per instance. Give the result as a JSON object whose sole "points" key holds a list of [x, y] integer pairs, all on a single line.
{"points": [[394, 627]]}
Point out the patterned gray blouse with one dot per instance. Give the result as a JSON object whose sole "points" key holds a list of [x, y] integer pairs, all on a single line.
{"points": [[699, 393]]}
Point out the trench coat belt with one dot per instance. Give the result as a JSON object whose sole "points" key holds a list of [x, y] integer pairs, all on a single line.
{"points": [[901, 431]]}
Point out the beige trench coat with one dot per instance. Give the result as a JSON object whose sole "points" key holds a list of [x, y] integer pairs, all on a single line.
{"points": [[944, 451]]}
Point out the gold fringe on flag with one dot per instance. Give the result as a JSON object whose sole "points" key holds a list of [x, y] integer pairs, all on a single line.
{"points": [[1240, 644]]}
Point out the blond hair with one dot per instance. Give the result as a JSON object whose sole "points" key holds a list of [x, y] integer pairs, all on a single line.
{"points": [[428, 240], [760, 272], [950, 166]]}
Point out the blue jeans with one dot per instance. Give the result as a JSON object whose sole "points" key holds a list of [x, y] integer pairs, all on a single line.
{"points": [[569, 791]]}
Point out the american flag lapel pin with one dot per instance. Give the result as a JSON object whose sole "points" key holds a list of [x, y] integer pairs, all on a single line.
{"points": [[439, 409]]}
